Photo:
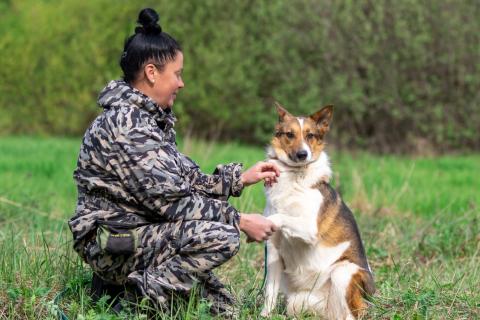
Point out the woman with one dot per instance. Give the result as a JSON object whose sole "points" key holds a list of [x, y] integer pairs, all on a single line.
{"points": [[147, 218]]}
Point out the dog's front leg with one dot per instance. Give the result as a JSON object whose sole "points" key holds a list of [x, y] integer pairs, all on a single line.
{"points": [[274, 267], [296, 227]]}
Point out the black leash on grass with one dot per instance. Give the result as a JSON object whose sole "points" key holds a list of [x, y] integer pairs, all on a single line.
{"points": [[60, 314], [265, 269], [55, 303], [260, 291]]}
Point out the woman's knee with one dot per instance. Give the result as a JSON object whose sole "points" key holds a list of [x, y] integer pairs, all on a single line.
{"points": [[224, 239], [208, 237], [233, 243]]}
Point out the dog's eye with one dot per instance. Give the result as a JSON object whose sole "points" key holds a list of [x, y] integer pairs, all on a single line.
{"points": [[290, 135], [310, 136]]}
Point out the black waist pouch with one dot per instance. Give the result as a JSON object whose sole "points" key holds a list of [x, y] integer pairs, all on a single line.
{"points": [[117, 238]]}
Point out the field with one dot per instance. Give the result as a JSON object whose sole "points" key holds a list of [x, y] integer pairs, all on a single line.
{"points": [[419, 218]]}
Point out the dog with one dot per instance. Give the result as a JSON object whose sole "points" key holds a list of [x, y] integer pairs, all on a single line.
{"points": [[316, 258]]}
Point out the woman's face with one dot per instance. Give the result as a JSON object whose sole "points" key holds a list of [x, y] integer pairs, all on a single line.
{"points": [[168, 82]]}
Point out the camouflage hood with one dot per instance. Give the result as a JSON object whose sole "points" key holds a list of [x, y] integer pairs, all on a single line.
{"points": [[119, 93]]}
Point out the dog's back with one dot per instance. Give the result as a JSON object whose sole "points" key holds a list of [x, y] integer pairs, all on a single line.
{"points": [[336, 224]]}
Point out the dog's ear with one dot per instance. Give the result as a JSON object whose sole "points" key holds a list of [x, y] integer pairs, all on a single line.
{"points": [[323, 118], [282, 112]]}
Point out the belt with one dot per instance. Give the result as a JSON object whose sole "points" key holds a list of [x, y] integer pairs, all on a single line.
{"points": [[104, 194]]}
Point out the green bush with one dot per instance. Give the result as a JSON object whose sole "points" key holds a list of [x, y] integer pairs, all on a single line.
{"points": [[403, 75]]}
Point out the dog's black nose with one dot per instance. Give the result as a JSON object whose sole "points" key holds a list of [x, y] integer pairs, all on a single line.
{"points": [[302, 154]]}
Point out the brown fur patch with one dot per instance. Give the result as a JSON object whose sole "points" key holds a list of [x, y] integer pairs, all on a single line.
{"points": [[329, 231], [356, 291]]}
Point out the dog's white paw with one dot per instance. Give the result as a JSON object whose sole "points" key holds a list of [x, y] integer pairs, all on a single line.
{"points": [[311, 237], [276, 219]]}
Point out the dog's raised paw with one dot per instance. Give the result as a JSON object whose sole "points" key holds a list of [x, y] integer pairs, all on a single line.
{"points": [[276, 219]]}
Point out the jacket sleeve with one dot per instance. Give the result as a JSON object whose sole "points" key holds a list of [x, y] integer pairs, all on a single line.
{"points": [[223, 183], [151, 170]]}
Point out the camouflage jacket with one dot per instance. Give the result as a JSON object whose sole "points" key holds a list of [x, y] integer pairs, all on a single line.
{"points": [[130, 171]]}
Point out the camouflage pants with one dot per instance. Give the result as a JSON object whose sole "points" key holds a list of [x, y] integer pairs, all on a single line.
{"points": [[171, 258]]}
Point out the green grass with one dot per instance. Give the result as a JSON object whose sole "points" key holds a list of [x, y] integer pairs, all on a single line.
{"points": [[419, 218]]}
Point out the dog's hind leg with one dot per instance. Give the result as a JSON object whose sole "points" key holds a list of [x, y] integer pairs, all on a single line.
{"points": [[338, 304], [360, 286], [274, 265]]}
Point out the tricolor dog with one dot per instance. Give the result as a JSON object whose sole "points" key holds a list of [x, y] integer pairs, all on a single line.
{"points": [[316, 259]]}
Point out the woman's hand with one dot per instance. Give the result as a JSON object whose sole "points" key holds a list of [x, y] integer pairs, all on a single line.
{"points": [[266, 171], [256, 227]]}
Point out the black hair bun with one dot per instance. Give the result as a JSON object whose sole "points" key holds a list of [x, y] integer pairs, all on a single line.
{"points": [[148, 18]]}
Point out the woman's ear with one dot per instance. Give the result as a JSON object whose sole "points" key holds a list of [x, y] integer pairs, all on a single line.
{"points": [[149, 73]]}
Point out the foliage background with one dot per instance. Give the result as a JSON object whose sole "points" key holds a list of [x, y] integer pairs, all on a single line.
{"points": [[402, 74]]}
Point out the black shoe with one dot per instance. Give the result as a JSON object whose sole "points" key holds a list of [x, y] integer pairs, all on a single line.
{"points": [[101, 288], [223, 303]]}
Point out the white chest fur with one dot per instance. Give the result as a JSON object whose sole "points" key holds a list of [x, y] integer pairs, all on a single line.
{"points": [[294, 193], [294, 190], [291, 196]]}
